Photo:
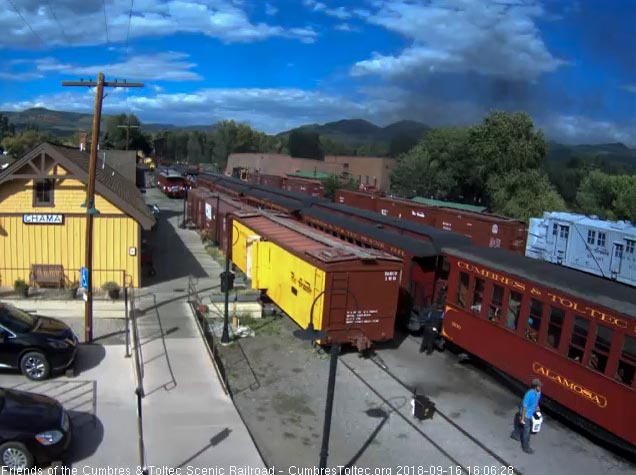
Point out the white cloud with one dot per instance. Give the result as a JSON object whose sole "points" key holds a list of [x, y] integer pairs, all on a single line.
{"points": [[576, 129], [630, 88], [269, 110], [493, 39], [78, 23], [168, 66], [346, 27], [270, 9], [339, 12]]}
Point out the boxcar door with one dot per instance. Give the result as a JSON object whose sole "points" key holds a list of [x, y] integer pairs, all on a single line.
{"points": [[249, 250], [617, 259], [562, 232]]}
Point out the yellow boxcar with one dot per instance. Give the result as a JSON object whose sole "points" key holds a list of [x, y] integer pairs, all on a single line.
{"points": [[354, 291]]}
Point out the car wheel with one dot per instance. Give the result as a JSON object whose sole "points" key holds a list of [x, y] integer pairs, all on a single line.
{"points": [[35, 366], [15, 455]]}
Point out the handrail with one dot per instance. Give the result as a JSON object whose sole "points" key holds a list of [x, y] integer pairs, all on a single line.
{"points": [[139, 376]]}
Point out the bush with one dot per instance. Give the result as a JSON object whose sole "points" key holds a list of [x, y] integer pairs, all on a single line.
{"points": [[108, 286], [21, 287]]}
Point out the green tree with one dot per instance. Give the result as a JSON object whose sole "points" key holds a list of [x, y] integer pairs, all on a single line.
{"points": [[195, 148], [118, 136], [401, 143], [506, 143], [7, 129], [523, 195], [17, 145], [305, 145], [419, 173], [333, 183], [610, 197]]}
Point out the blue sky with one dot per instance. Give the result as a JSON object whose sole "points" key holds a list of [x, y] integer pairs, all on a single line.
{"points": [[277, 64]]}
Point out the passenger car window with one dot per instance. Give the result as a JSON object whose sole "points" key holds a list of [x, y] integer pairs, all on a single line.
{"points": [[462, 290], [534, 321], [494, 310], [478, 295], [627, 362], [554, 327], [514, 306], [600, 352], [578, 339]]}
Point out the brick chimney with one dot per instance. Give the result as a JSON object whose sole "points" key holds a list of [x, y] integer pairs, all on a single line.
{"points": [[82, 140]]}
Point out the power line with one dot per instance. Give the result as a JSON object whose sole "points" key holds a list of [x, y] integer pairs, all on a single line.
{"points": [[125, 61], [58, 22], [129, 21], [27, 23], [105, 21]]}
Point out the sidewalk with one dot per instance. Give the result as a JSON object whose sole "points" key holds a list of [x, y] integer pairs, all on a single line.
{"points": [[188, 419]]}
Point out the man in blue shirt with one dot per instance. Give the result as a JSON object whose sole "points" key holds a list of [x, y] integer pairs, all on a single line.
{"points": [[529, 406]]}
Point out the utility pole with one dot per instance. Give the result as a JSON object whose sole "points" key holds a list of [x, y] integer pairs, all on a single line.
{"points": [[90, 193], [127, 127]]}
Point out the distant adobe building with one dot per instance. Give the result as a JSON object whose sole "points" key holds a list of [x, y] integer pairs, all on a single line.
{"points": [[373, 171]]}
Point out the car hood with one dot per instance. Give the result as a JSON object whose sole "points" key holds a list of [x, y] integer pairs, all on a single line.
{"points": [[30, 412], [52, 326]]}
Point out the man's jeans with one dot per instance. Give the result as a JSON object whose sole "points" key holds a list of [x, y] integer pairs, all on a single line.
{"points": [[522, 431]]}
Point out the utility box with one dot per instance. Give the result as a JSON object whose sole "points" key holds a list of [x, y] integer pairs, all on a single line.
{"points": [[227, 281], [422, 407]]}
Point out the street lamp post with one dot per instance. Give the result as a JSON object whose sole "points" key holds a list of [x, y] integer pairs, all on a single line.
{"points": [[310, 334], [227, 279], [185, 207]]}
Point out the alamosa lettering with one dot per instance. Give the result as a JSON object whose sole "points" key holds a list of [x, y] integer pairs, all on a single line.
{"points": [[488, 274], [576, 388], [43, 218]]}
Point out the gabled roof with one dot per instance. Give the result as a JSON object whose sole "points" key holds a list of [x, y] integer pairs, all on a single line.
{"points": [[109, 184]]}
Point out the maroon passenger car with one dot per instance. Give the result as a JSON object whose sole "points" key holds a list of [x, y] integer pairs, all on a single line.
{"points": [[574, 331]]}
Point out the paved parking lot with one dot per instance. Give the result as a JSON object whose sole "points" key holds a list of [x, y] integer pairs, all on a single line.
{"points": [[100, 400]]}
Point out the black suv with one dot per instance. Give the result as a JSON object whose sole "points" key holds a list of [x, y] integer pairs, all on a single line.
{"points": [[34, 429], [34, 345]]}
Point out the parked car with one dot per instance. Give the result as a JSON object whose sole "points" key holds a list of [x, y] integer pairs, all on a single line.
{"points": [[35, 345], [34, 429], [154, 209]]}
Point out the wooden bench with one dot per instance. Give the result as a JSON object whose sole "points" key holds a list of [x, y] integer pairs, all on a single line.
{"points": [[47, 274]]}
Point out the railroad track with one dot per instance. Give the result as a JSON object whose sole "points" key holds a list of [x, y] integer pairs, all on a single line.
{"points": [[458, 449]]}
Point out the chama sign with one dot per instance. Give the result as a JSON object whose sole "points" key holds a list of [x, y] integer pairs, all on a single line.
{"points": [[43, 219]]}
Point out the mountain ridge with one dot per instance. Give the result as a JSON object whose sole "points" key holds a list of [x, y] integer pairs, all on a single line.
{"points": [[354, 132]]}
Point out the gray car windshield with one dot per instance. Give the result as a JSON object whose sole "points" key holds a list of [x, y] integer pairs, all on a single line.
{"points": [[16, 320]]}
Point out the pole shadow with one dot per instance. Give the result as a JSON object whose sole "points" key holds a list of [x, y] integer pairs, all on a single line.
{"points": [[214, 441]]}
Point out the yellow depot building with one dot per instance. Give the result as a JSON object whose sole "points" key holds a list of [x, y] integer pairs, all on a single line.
{"points": [[42, 221]]}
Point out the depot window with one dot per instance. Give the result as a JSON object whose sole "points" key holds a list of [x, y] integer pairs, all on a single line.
{"points": [[629, 246], [578, 339], [591, 236], [627, 362], [554, 327], [43, 193], [601, 350]]}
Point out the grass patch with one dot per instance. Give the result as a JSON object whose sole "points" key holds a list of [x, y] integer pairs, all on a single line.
{"points": [[267, 326]]}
